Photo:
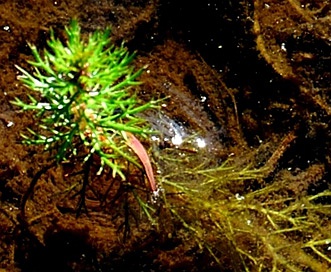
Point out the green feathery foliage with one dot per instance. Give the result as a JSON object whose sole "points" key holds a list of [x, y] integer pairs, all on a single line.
{"points": [[80, 91]]}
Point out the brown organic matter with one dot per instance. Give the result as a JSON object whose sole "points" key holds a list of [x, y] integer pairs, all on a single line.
{"points": [[248, 79]]}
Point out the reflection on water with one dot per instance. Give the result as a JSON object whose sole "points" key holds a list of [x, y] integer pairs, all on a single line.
{"points": [[173, 133]]}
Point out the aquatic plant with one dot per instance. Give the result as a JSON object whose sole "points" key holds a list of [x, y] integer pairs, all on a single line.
{"points": [[81, 96], [245, 219], [245, 223]]}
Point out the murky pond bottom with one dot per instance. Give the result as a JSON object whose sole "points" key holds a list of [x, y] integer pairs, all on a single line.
{"points": [[241, 158]]}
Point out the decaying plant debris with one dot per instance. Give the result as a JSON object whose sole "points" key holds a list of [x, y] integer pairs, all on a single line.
{"points": [[242, 157]]}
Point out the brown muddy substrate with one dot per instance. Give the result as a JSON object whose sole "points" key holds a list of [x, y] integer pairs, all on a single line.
{"points": [[243, 77]]}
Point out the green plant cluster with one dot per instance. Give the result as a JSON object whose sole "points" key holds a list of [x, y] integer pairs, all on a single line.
{"points": [[246, 228], [81, 92]]}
